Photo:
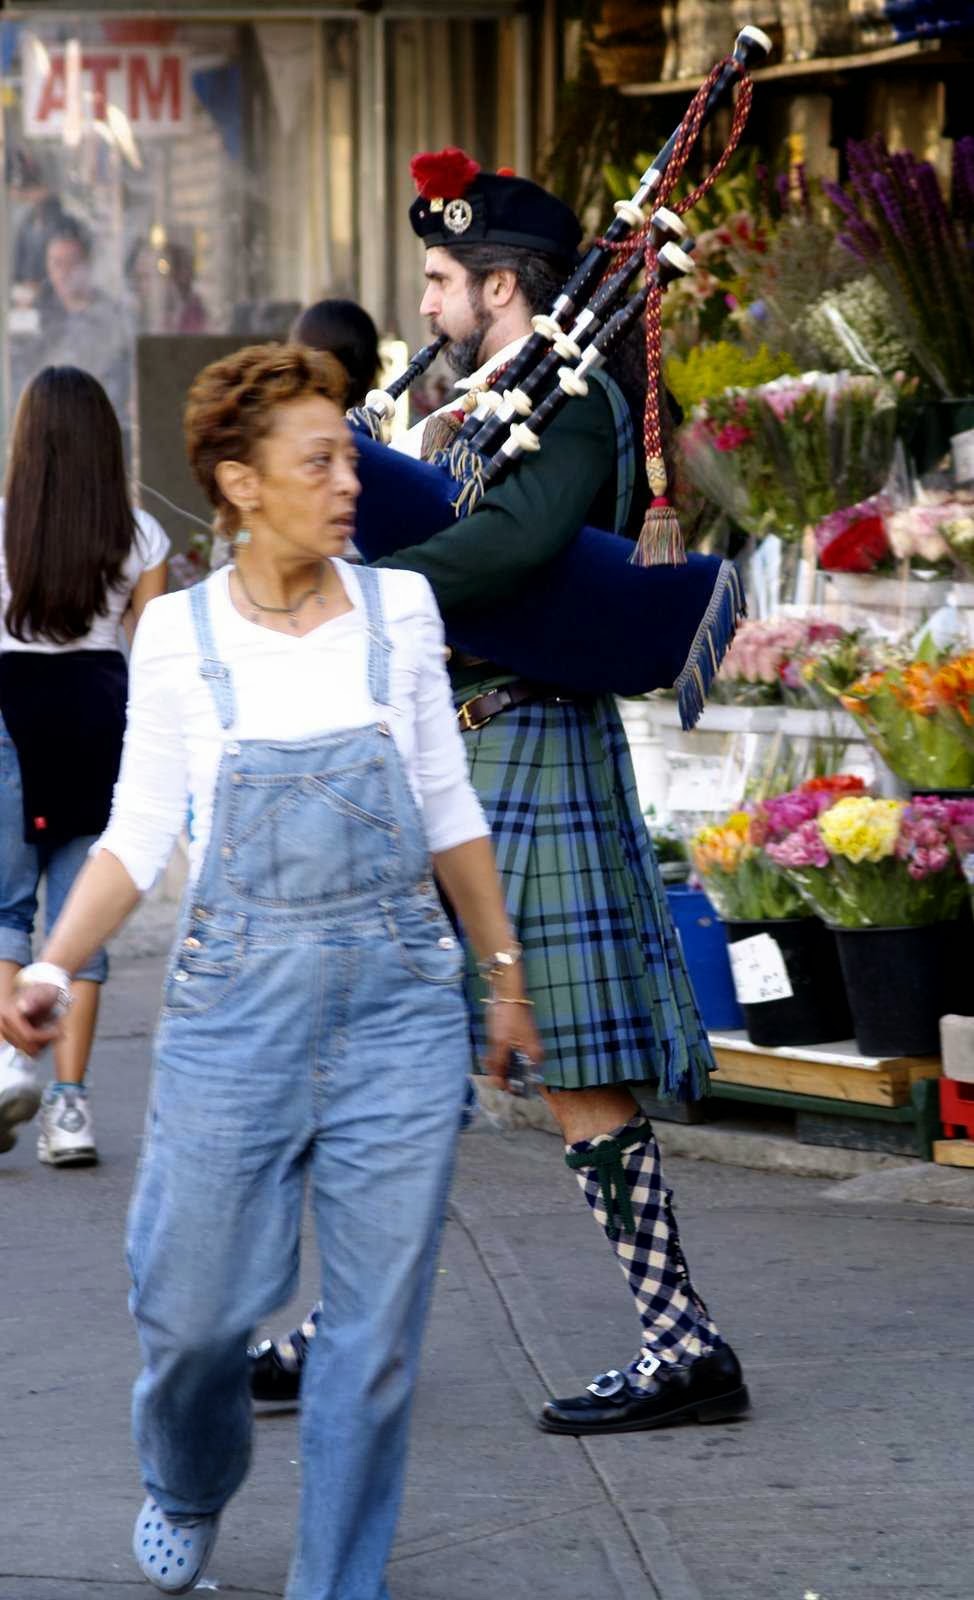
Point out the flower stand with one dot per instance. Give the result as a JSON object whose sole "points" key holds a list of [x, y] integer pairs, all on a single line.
{"points": [[839, 1097]]}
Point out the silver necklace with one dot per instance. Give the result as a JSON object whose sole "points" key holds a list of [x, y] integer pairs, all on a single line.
{"points": [[291, 612]]}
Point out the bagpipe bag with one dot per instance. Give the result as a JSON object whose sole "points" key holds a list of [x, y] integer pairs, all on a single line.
{"points": [[589, 621]]}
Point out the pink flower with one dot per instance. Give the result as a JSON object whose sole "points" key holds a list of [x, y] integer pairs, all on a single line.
{"points": [[924, 840], [802, 848], [784, 400]]}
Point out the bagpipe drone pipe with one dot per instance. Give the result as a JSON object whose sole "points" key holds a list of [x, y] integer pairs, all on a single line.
{"points": [[588, 622]]}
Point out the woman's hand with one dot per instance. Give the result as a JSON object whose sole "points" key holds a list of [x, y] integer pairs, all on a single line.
{"points": [[30, 1020], [510, 1027]]}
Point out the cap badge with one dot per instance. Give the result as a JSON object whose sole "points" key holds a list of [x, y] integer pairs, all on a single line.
{"points": [[457, 216]]}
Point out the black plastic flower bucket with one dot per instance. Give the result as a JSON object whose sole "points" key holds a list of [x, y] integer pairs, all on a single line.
{"points": [[901, 981], [789, 982]]}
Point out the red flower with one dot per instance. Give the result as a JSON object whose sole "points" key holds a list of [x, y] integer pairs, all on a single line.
{"points": [[443, 174], [837, 783], [731, 436], [858, 548]]}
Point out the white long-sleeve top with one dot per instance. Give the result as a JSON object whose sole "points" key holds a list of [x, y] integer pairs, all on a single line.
{"points": [[286, 687]]}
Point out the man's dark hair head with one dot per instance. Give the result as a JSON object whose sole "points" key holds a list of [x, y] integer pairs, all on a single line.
{"points": [[347, 330], [539, 277]]}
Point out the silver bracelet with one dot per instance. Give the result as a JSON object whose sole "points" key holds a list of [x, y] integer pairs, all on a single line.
{"points": [[46, 972]]}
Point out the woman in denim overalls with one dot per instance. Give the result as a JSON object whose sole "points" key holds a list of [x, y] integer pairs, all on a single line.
{"points": [[313, 1027]]}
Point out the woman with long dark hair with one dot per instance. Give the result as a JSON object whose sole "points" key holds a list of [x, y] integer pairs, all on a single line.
{"points": [[75, 562]]}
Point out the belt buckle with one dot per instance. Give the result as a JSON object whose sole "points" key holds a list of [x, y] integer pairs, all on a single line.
{"points": [[466, 721]]}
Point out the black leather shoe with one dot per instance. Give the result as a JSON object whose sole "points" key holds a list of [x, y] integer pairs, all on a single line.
{"points": [[275, 1368], [710, 1389], [270, 1379]]}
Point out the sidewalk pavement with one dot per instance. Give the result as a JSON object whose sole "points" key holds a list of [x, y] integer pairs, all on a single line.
{"points": [[852, 1480]]}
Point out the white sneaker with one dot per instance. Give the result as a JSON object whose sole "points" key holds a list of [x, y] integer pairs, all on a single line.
{"points": [[67, 1136], [19, 1094]]}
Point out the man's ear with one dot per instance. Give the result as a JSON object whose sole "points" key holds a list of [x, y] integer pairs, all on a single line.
{"points": [[502, 288]]}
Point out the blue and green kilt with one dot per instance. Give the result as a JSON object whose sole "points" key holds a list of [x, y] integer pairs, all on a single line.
{"points": [[602, 963]]}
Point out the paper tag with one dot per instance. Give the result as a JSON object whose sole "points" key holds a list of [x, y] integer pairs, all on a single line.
{"points": [[759, 971], [962, 450], [694, 785]]}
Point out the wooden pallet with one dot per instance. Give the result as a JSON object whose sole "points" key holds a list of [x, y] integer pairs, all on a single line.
{"points": [[954, 1152], [836, 1072]]}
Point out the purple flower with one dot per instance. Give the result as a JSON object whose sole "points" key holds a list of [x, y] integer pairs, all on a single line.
{"points": [[786, 812], [888, 199]]}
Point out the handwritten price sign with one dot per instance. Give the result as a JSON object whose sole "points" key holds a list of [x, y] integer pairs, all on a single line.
{"points": [[759, 971]]}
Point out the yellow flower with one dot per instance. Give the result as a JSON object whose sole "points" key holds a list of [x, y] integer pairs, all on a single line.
{"points": [[722, 846], [861, 829]]}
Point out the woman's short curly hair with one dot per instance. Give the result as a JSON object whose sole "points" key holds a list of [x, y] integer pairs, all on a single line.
{"points": [[232, 402]]}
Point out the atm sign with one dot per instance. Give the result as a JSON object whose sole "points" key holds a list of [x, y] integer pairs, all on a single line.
{"points": [[150, 85]]}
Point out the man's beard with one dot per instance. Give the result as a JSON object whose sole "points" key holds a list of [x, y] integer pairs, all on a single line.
{"points": [[463, 355]]}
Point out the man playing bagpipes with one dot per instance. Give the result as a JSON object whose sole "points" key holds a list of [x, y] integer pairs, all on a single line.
{"points": [[614, 1006]]}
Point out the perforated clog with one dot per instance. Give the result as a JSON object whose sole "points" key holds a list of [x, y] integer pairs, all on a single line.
{"points": [[172, 1552]]}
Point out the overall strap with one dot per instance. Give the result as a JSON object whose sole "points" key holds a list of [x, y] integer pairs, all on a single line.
{"points": [[212, 670], [380, 645]]}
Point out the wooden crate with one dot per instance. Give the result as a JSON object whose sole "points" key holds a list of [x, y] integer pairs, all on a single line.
{"points": [[954, 1152], [836, 1072]]}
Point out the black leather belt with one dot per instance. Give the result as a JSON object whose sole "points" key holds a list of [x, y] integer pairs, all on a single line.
{"points": [[476, 713]]}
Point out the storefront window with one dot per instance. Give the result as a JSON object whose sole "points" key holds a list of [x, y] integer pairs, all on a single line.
{"points": [[175, 186], [170, 178]]}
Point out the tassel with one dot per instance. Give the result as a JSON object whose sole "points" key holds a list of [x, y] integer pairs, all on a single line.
{"points": [[439, 434], [369, 422], [660, 542], [472, 491], [459, 461], [717, 628]]}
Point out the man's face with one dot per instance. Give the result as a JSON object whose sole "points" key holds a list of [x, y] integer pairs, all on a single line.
{"points": [[454, 302]]}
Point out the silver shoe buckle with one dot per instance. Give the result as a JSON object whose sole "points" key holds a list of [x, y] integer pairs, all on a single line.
{"points": [[607, 1384]]}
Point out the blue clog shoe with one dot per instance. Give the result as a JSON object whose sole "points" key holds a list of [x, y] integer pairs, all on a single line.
{"points": [[172, 1551]]}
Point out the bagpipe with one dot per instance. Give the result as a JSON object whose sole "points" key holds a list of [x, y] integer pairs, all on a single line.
{"points": [[601, 617]]}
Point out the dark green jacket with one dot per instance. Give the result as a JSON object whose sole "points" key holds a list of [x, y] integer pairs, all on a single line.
{"points": [[521, 525]]}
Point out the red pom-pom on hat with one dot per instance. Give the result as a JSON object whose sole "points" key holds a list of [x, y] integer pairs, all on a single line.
{"points": [[506, 172], [443, 174]]}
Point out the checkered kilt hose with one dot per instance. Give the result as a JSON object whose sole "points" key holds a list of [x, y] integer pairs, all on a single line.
{"points": [[602, 964]]}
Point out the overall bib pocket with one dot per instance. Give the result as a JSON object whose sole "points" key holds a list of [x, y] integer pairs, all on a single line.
{"points": [[301, 838]]}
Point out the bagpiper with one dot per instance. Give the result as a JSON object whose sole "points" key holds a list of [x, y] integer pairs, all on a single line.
{"points": [[614, 1005]]}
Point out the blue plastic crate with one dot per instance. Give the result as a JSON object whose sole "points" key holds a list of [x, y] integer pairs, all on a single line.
{"points": [[704, 943]]}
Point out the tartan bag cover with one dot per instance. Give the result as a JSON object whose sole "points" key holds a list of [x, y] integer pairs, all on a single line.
{"points": [[602, 962]]}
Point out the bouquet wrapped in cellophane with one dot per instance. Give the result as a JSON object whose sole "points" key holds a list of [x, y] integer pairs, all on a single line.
{"points": [[782, 457], [764, 663], [737, 877], [732, 860], [866, 863], [920, 717]]}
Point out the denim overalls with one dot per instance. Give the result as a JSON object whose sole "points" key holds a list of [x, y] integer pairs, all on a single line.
{"points": [[313, 1025]]}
